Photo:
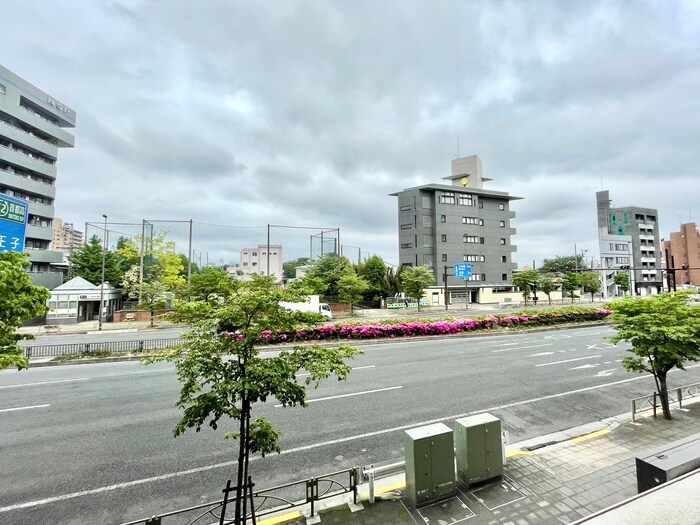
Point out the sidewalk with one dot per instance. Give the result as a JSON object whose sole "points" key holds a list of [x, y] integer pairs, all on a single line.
{"points": [[556, 484]]}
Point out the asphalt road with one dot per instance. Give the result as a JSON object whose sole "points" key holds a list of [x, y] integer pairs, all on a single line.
{"points": [[93, 443]]}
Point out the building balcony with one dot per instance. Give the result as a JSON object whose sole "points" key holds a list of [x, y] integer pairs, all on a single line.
{"points": [[44, 256], [16, 181], [65, 139], [27, 139], [25, 161], [39, 232], [43, 210]]}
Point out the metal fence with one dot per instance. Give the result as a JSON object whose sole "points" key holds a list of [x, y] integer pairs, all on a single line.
{"points": [[266, 502], [106, 346], [651, 402]]}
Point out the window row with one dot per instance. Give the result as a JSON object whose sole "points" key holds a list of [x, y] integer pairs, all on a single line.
{"points": [[26, 196]]}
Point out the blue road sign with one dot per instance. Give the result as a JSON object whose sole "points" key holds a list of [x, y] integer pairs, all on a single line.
{"points": [[13, 223], [462, 271]]}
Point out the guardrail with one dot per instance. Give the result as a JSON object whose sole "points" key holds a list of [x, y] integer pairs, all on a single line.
{"points": [[104, 346], [267, 501], [649, 402]]}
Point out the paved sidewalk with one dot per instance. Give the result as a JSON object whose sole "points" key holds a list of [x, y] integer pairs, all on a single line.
{"points": [[556, 484]]}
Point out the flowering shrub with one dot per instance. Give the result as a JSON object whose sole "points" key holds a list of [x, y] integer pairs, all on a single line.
{"points": [[392, 328]]}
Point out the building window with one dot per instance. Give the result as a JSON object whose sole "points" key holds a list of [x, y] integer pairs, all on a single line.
{"points": [[481, 204], [621, 247], [481, 222], [444, 257], [406, 207], [502, 224], [447, 197], [503, 241], [471, 238], [428, 261], [255, 254], [427, 241], [427, 203], [501, 207], [245, 264], [427, 221], [474, 258], [504, 258], [504, 277], [407, 245], [466, 200], [470, 220], [254, 264], [622, 260], [443, 218], [443, 237], [482, 240], [2, 89], [406, 226]]}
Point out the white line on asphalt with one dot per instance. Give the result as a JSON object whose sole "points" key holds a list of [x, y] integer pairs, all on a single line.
{"points": [[507, 344], [353, 368], [349, 395], [23, 408], [569, 360], [46, 382], [521, 348], [543, 353], [143, 481]]}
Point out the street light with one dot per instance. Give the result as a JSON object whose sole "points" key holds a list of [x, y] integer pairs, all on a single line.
{"points": [[102, 284]]}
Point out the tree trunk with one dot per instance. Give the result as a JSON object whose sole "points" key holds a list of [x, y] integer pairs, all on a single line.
{"points": [[239, 517], [153, 316], [663, 395]]}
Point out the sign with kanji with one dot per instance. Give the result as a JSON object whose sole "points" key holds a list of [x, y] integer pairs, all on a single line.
{"points": [[13, 223], [462, 271]]}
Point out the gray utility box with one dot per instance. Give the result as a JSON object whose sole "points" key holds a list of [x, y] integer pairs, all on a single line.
{"points": [[479, 448], [665, 463], [430, 464]]}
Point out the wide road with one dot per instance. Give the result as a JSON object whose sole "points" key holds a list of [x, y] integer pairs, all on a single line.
{"points": [[93, 443]]}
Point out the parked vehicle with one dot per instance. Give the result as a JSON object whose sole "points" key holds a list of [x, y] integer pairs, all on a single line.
{"points": [[312, 305]]}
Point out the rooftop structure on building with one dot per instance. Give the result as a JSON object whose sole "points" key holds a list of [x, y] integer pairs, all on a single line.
{"points": [[32, 129], [441, 225]]}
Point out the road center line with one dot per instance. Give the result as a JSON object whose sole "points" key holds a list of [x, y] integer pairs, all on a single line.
{"points": [[520, 348], [349, 395], [353, 368], [569, 360], [143, 481], [23, 408], [46, 382]]}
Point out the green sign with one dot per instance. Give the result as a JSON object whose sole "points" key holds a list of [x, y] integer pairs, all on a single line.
{"points": [[13, 210], [13, 223]]}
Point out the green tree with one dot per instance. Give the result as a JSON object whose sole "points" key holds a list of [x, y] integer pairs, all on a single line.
{"points": [[128, 254], [374, 271], [527, 281], [393, 281], [590, 282], [350, 289], [209, 283], [571, 283], [289, 268], [222, 374], [415, 279], [153, 296], [563, 264], [664, 331], [87, 263], [622, 280], [20, 301], [547, 286], [329, 269], [168, 267]]}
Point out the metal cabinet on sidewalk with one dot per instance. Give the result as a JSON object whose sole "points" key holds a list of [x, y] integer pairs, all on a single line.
{"points": [[430, 464], [667, 462], [479, 448]]}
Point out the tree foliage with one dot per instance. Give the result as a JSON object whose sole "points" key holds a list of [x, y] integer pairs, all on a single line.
{"points": [[209, 283], [350, 289], [289, 268], [374, 271], [527, 281], [87, 263], [153, 296], [325, 273], [563, 264], [547, 286], [570, 284], [20, 301], [664, 331], [222, 374], [590, 282], [415, 280], [622, 280]]}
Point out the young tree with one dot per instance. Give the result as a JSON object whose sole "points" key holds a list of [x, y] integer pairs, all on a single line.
{"points": [[590, 282], [563, 264], [351, 288], [526, 280], [222, 374], [374, 271], [153, 297], [570, 284], [87, 263], [209, 283], [128, 254], [622, 280], [415, 279], [664, 331], [329, 269], [547, 286], [20, 301], [289, 268]]}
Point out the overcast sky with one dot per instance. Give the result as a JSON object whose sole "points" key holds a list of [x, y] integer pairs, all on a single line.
{"points": [[309, 113]]}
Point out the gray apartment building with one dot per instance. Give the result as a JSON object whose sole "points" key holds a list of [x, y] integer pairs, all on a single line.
{"points": [[32, 129], [459, 222], [629, 237]]}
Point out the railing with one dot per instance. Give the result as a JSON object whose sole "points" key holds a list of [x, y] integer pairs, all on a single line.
{"points": [[266, 502], [649, 402], [111, 346]]}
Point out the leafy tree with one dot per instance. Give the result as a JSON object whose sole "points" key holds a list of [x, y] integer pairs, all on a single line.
{"points": [[415, 279], [374, 271], [128, 254], [563, 264], [153, 296], [526, 280], [547, 286], [350, 289], [130, 281], [590, 282], [622, 280], [664, 331], [289, 268], [87, 263], [329, 269], [570, 283], [222, 374], [393, 281], [209, 283], [20, 301], [168, 267]]}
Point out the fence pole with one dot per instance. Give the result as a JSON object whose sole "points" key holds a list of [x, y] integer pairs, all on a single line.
{"points": [[680, 397], [654, 404], [634, 410]]}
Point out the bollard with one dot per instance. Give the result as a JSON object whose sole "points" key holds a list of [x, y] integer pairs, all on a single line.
{"points": [[634, 410]]}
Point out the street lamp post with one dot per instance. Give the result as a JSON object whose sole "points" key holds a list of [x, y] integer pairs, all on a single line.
{"points": [[102, 284]]}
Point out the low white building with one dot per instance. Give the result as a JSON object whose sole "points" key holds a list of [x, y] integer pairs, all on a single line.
{"points": [[257, 260], [78, 300]]}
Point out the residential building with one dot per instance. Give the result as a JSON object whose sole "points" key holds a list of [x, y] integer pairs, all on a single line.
{"points": [[32, 129], [258, 260], [629, 241], [683, 253], [441, 225], [65, 237]]}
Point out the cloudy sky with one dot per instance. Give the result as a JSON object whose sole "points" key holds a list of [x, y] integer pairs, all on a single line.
{"points": [[309, 113]]}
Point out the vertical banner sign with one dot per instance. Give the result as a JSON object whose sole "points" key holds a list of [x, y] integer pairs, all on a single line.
{"points": [[13, 223]]}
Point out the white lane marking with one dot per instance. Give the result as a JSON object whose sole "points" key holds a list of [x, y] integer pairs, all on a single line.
{"points": [[543, 353], [143, 481], [520, 348], [584, 366], [353, 368], [569, 360], [508, 344], [348, 395], [605, 373], [46, 382], [596, 347], [23, 408]]}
